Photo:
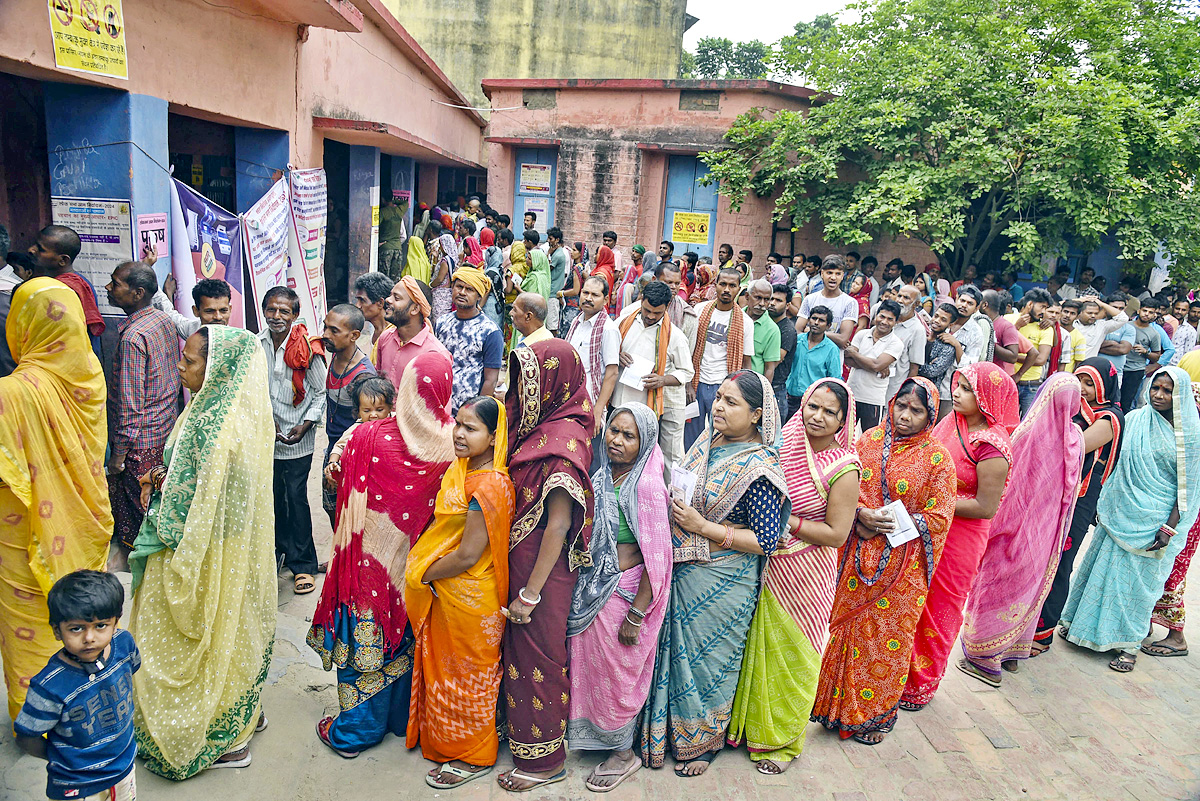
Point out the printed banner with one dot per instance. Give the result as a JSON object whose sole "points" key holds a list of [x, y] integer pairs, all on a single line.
{"points": [[105, 229], [690, 227], [89, 36], [306, 244], [540, 207], [535, 178], [265, 232], [206, 242]]}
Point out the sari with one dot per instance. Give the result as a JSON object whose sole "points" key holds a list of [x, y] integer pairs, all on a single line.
{"points": [[881, 591], [705, 288], [457, 623], [610, 681], [1028, 531], [53, 431], [203, 564], [445, 249], [550, 436], [1097, 467], [416, 262], [1114, 590], [713, 593], [537, 280], [967, 539], [391, 471], [1169, 610], [606, 268], [791, 624]]}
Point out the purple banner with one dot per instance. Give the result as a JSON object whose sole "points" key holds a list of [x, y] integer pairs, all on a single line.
{"points": [[207, 239]]}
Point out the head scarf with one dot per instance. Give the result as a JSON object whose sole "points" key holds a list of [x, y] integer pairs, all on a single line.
{"points": [[643, 487], [418, 297], [537, 280], [472, 252], [996, 396], [800, 464], [53, 432], [447, 221], [550, 428], [639, 249], [516, 256], [1190, 364], [447, 249], [606, 265], [1104, 378], [474, 278], [487, 237]]}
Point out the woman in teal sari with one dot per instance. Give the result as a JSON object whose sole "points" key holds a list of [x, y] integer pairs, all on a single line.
{"points": [[1153, 492], [733, 519]]}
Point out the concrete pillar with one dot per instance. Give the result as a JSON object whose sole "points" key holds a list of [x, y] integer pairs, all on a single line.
{"points": [[428, 184], [261, 158], [363, 216]]}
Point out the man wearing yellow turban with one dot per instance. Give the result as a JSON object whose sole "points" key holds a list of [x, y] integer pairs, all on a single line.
{"points": [[474, 341]]}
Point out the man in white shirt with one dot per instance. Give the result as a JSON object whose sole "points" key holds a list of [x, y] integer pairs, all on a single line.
{"points": [[912, 333], [595, 336], [1094, 328], [642, 330], [831, 296], [871, 356], [1185, 336], [721, 321]]}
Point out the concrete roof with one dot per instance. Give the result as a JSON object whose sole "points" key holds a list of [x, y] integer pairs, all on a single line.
{"points": [[772, 87]]}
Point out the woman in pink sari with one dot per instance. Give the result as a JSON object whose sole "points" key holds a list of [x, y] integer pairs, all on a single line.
{"points": [[619, 601], [1027, 534], [977, 436]]}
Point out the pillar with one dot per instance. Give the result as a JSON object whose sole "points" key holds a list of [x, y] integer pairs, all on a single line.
{"points": [[403, 173], [363, 216]]}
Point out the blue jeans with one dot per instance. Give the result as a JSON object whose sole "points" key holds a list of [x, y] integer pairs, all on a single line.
{"points": [[1025, 395], [781, 399], [692, 429]]}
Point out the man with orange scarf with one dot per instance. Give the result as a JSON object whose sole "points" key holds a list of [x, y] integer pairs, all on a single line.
{"points": [[724, 345], [647, 335], [296, 380]]}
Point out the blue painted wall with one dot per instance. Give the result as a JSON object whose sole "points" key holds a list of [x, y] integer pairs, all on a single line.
{"points": [[259, 155]]}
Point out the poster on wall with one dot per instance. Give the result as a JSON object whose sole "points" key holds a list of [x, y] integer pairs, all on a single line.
{"points": [[152, 234], [542, 209], [265, 235], [206, 242], [535, 178], [690, 228], [306, 243], [89, 36], [105, 229]]}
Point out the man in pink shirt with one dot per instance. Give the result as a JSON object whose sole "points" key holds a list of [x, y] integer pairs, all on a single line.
{"points": [[1009, 342], [407, 309]]}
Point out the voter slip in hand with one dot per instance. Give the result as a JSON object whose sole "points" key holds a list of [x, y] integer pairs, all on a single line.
{"points": [[905, 529]]}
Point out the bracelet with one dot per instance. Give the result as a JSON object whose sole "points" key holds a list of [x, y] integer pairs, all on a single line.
{"points": [[796, 531], [633, 610], [1165, 529], [728, 541], [634, 623], [526, 601]]}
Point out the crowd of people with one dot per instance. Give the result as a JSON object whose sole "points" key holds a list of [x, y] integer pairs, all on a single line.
{"points": [[638, 504]]}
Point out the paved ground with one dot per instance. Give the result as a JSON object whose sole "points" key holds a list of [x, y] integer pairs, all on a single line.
{"points": [[1065, 727]]}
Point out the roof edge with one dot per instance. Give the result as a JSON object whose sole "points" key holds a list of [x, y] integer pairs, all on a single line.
{"points": [[742, 85]]}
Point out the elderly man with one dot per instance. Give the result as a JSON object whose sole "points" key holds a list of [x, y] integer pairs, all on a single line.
{"points": [[474, 341], [651, 342], [296, 378], [766, 332], [146, 380], [529, 313], [681, 312], [407, 310], [911, 332]]}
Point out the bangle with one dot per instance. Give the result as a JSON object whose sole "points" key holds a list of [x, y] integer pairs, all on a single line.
{"points": [[1165, 529], [728, 541], [796, 531], [634, 623], [526, 601], [633, 610]]}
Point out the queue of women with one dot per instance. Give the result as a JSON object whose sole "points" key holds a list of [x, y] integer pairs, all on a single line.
{"points": [[484, 581]]}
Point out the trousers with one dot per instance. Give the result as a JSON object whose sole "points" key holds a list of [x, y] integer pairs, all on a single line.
{"points": [[293, 520]]}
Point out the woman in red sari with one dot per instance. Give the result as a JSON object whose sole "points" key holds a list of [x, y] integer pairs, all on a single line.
{"points": [[606, 267], [550, 427], [977, 436], [881, 590]]}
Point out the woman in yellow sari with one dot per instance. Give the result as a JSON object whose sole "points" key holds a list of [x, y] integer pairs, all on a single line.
{"points": [[416, 262], [456, 585], [204, 584], [52, 435]]}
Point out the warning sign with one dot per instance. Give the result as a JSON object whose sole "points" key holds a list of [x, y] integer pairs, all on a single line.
{"points": [[89, 36], [690, 227]]}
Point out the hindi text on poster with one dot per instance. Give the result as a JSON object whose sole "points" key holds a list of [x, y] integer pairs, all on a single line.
{"points": [[690, 227], [89, 36], [105, 229], [535, 178]]}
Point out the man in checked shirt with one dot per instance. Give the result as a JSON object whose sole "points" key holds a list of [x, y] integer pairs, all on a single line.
{"points": [[145, 398]]}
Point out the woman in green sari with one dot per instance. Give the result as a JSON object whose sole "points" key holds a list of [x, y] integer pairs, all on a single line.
{"points": [[204, 585]]}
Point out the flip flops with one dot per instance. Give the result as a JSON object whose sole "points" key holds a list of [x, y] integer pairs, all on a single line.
{"points": [[1166, 650], [621, 776], [537, 781], [976, 673], [465, 775]]}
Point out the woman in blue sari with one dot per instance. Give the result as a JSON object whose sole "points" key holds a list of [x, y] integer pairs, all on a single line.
{"points": [[719, 537], [1153, 492]]}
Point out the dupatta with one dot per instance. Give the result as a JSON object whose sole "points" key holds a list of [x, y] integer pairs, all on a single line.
{"points": [[537, 280], [53, 432], [806, 477], [1104, 378], [550, 426], [391, 471], [720, 483], [996, 395], [644, 502], [416, 261]]}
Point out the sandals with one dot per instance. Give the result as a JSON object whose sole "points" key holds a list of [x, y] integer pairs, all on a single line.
{"points": [[621, 776], [304, 584], [706, 758], [765, 767], [1123, 662], [861, 737], [261, 726], [323, 735], [910, 706], [1163, 650], [450, 769], [537, 781], [966, 667], [234, 759]]}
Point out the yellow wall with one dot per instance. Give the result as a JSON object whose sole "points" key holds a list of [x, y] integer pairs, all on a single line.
{"points": [[476, 39]]}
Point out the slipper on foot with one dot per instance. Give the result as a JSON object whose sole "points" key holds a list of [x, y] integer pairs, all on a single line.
{"points": [[537, 781], [1164, 651], [464, 775], [621, 775]]}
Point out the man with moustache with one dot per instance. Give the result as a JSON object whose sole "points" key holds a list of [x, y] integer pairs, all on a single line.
{"points": [[407, 310], [724, 344], [474, 341], [596, 338], [781, 296], [911, 331]]}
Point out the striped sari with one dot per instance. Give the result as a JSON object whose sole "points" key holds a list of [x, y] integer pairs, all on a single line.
{"points": [[783, 653]]}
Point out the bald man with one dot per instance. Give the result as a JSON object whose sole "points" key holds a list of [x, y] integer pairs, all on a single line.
{"points": [[529, 312]]}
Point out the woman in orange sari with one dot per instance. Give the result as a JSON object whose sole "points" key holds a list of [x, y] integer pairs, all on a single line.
{"points": [[881, 591], [456, 583]]}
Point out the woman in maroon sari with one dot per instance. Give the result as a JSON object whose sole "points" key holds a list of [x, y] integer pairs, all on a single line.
{"points": [[550, 428]]}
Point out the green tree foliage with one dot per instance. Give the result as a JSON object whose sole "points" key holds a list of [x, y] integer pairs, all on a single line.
{"points": [[687, 65], [988, 128], [717, 57]]}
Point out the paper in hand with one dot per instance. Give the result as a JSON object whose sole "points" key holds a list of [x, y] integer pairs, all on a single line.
{"points": [[905, 529], [633, 376], [683, 484]]}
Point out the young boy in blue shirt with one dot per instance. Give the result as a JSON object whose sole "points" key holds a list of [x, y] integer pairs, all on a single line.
{"points": [[78, 715]]}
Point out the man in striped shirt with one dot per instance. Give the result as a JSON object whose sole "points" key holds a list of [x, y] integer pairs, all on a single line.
{"points": [[146, 397]]}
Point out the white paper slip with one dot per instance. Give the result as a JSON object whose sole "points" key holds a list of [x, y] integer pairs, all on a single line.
{"points": [[638, 369], [905, 529], [691, 411], [683, 484]]}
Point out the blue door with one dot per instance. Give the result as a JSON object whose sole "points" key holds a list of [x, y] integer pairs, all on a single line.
{"points": [[691, 208], [536, 181]]}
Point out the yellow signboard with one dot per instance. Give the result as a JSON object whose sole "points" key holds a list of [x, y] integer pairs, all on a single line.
{"points": [[690, 228], [89, 36]]}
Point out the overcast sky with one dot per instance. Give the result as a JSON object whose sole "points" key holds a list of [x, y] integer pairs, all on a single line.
{"points": [[744, 20]]}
